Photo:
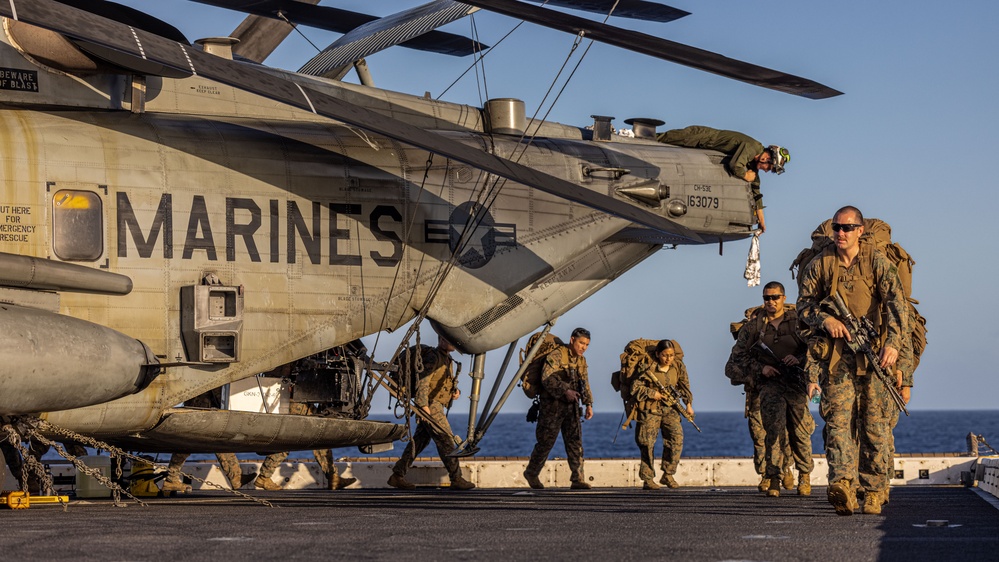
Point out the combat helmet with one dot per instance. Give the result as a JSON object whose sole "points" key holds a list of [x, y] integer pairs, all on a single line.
{"points": [[779, 156]]}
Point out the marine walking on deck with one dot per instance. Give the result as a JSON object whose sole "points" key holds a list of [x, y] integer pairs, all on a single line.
{"points": [[564, 384], [855, 404]]}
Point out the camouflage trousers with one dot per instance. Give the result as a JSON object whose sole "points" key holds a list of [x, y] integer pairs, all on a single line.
{"points": [[647, 431], [785, 415], [227, 462], [557, 416], [892, 421], [858, 432], [758, 434], [324, 457], [444, 439]]}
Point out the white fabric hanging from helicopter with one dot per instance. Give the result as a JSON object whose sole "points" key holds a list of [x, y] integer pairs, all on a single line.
{"points": [[752, 273]]}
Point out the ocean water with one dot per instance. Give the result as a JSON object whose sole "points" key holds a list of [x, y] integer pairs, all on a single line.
{"points": [[723, 434]]}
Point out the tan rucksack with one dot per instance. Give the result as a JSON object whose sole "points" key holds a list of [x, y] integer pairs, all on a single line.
{"points": [[876, 232], [530, 381], [410, 368], [635, 353]]}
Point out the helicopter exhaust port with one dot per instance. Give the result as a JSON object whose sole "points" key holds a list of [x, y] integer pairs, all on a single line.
{"points": [[644, 127], [506, 116]]}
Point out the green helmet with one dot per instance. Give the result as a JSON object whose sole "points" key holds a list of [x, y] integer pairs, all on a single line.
{"points": [[779, 156]]}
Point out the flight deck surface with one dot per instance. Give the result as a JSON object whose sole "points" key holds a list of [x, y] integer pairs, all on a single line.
{"points": [[507, 524]]}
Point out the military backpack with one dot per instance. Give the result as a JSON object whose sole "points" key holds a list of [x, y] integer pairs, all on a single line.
{"points": [[411, 368], [635, 353], [530, 381], [877, 234]]}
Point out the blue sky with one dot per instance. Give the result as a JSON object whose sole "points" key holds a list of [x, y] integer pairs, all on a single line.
{"points": [[911, 142]]}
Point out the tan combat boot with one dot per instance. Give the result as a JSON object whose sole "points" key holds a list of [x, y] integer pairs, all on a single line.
{"points": [[399, 481], [668, 481], [842, 497], [339, 483], [459, 483], [175, 485], [764, 484], [650, 484], [804, 484], [533, 481], [580, 485], [872, 503], [266, 484], [774, 490], [787, 479]]}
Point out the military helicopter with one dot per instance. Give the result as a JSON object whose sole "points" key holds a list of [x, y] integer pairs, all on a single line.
{"points": [[177, 218]]}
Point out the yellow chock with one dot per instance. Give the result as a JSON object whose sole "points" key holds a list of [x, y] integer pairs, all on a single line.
{"points": [[15, 500], [142, 482], [37, 500], [23, 500]]}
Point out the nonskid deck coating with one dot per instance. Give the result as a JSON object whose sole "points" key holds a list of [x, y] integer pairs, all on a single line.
{"points": [[504, 524]]}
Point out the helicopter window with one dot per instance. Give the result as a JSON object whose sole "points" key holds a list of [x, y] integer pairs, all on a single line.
{"points": [[77, 225]]}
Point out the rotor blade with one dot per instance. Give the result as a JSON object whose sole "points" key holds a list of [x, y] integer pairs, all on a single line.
{"points": [[343, 21], [634, 9], [384, 33], [139, 44], [660, 48], [129, 16]]}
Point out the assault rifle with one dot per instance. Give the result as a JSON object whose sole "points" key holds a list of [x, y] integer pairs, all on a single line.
{"points": [[862, 333], [790, 373], [671, 399], [577, 383]]}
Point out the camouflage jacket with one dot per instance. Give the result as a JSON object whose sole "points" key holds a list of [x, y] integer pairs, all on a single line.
{"points": [[643, 390], [741, 150], [783, 340], [438, 385], [563, 372], [882, 283]]}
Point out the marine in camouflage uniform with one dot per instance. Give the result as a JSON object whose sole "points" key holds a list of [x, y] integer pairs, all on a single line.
{"points": [[655, 417], [324, 458], [757, 434], [783, 403], [855, 407], [564, 383], [434, 393], [227, 461]]}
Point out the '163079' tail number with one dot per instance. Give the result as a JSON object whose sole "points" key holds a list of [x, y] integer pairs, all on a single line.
{"points": [[702, 201]]}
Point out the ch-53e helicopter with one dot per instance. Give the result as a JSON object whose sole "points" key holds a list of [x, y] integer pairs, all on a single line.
{"points": [[174, 220]]}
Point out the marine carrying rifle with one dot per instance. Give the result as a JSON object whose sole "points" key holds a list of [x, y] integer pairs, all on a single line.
{"points": [[791, 373], [671, 399], [862, 333]]}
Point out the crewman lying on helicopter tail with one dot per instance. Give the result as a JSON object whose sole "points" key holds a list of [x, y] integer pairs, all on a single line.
{"points": [[746, 156]]}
